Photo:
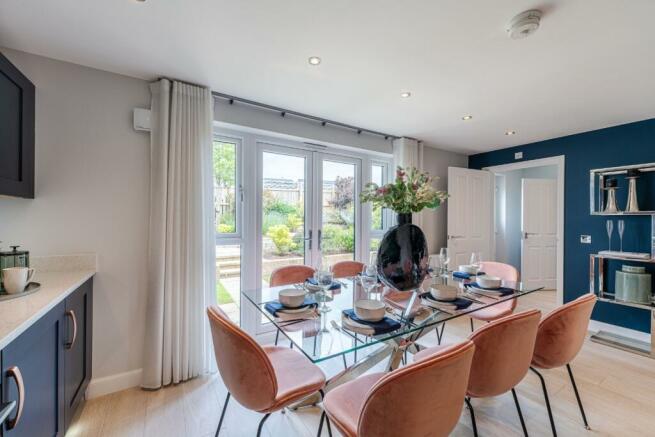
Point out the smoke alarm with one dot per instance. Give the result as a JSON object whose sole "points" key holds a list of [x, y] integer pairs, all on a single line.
{"points": [[524, 24]]}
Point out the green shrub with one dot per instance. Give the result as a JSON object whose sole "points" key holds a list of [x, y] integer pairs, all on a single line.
{"points": [[281, 238], [224, 228], [337, 239], [294, 222], [279, 206], [271, 219]]}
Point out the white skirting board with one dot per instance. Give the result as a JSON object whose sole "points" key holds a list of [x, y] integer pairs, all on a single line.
{"points": [[113, 383], [595, 326]]}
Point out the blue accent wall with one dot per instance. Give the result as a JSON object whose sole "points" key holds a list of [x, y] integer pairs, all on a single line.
{"points": [[632, 143]]}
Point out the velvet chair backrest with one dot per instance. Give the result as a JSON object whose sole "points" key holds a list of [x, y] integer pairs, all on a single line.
{"points": [[244, 366], [290, 275], [562, 332], [343, 269], [424, 398], [507, 273], [503, 352]]}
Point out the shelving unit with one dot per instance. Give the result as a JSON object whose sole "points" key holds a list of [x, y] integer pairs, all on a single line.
{"points": [[597, 199]]}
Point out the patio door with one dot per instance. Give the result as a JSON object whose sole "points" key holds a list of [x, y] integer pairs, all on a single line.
{"points": [[308, 207]]}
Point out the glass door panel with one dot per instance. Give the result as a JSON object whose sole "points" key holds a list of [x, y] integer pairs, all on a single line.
{"points": [[339, 207], [284, 235]]}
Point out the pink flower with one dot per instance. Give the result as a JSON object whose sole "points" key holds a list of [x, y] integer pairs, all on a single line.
{"points": [[382, 190], [400, 173]]}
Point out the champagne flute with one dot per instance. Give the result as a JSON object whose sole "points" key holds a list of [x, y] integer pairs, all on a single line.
{"points": [[476, 261], [621, 228], [610, 229], [435, 264], [444, 255]]}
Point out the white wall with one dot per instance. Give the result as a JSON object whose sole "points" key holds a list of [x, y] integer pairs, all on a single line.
{"points": [[434, 223], [92, 181]]}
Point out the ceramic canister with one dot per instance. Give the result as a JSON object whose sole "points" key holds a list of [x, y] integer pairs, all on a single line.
{"points": [[633, 284]]}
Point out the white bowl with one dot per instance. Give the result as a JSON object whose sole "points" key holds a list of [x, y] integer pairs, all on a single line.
{"points": [[485, 281], [292, 297], [467, 268], [370, 310], [443, 292]]}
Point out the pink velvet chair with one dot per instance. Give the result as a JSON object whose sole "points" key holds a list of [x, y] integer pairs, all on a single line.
{"points": [[263, 379], [290, 275], [507, 273], [344, 269], [422, 399], [503, 352], [560, 337]]}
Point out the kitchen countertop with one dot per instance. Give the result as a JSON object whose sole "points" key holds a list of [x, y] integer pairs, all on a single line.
{"points": [[17, 315]]}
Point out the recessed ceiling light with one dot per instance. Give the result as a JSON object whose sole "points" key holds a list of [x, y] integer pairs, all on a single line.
{"points": [[510, 132], [467, 117], [405, 94], [314, 60]]}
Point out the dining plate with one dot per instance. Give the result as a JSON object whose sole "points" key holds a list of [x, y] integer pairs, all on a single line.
{"points": [[300, 309]]}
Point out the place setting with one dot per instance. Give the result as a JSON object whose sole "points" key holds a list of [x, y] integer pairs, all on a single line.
{"points": [[489, 286], [368, 317], [293, 304]]}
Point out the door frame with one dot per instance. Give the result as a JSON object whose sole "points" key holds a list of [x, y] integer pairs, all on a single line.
{"points": [[558, 161]]}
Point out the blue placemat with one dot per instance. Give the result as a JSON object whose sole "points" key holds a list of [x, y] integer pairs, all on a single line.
{"points": [[462, 275], [335, 285], [459, 303], [502, 291], [274, 306], [382, 327]]}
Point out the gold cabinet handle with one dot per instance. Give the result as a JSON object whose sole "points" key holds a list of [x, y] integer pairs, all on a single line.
{"points": [[14, 372], [71, 314]]}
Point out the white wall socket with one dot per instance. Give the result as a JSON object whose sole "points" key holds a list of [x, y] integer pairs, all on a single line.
{"points": [[518, 155], [585, 239]]}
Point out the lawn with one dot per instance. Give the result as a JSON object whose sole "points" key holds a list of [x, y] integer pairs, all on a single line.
{"points": [[222, 296]]}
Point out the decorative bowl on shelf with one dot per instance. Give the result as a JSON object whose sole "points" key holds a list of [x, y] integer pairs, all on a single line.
{"points": [[633, 284]]}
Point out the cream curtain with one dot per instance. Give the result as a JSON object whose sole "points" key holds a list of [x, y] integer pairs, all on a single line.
{"points": [[181, 280], [408, 152]]}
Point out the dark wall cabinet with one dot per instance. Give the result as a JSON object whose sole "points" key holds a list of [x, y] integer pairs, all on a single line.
{"points": [[46, 369], [17, 99]]}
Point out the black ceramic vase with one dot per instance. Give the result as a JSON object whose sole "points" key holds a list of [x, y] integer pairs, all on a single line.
{"points": [[403, 256]]}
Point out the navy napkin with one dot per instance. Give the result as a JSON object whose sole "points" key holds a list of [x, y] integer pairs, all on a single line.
{"points": [[503, 291], [274, 306], [459, 303], [462, 275], [381, 327], [335, 285]]}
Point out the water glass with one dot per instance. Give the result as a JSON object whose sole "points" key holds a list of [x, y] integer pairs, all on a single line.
{"points": [[369, 277], [476, 261], [444, 256], [324, 278]]}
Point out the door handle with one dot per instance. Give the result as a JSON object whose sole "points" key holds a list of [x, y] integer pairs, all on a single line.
{"points": [[14, 372], [71, 314], [455, 237], [525, 234], [319, 239], [309, 238]]}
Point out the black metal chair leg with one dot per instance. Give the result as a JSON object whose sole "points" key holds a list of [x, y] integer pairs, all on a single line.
{"points": [[440, 333], [261, 424], [472, 325], [277, 336], [220, 421], [577, 396], [518, 409], [324, 416], [320, 425], [550, 412], [475, 426], [345, 364]]}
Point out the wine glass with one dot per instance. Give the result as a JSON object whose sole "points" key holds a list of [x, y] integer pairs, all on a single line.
{"points": [[610, 228], [444, 255], [369, 277], [476, 261], [621, 228], [324, 278]]}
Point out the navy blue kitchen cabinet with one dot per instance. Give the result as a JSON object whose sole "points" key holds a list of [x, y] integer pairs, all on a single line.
{"points": [[47, 368]]}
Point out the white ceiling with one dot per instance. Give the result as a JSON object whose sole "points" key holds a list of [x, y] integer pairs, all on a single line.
{"points": [[590, 65]]}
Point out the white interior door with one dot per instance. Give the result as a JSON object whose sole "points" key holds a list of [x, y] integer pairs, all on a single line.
{"points": [[539, 233], [470, 214]]}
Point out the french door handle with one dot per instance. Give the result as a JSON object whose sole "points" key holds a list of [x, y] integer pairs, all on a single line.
{"points": [[71, 314], [309, 238], [14, 372], [319, 239]]}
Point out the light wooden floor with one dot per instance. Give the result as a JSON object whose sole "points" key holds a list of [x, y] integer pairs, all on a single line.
{"points": [[617, 388]]}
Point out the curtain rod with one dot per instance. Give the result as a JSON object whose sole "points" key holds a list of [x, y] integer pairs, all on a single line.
{"points": [[283, 112]]}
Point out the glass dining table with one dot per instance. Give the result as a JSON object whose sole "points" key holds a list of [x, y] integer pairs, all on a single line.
{"points": [[322, 336]]}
